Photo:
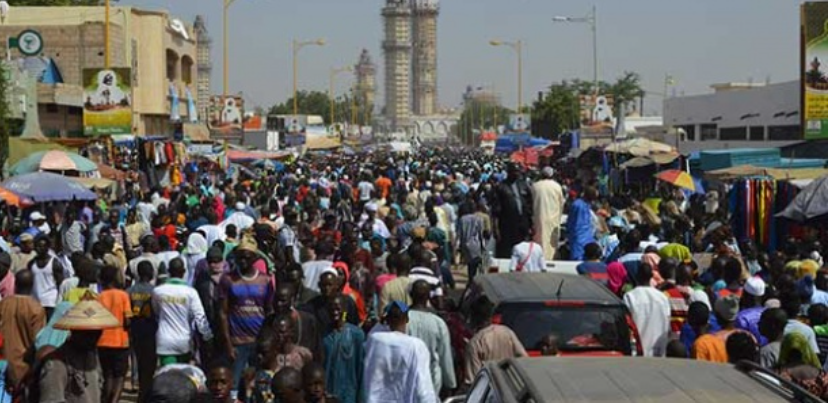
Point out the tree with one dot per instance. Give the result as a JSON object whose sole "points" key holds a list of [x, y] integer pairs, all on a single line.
{"points": [[626, 91], [558, 111], [479, 116], [318, 104]]}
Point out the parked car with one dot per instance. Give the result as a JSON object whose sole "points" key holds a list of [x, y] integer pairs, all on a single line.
{"points": [[588, 319], [616, 380]]}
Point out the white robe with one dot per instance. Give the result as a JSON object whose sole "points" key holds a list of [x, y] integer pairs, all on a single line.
{"points": [[548, 203], [397, 370], [651, 312]]}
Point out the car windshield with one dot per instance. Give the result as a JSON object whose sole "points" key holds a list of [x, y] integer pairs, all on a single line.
{"points": [[578, 328]]}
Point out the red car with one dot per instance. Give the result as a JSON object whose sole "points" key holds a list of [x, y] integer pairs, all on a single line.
{"points": [[588, 319]]}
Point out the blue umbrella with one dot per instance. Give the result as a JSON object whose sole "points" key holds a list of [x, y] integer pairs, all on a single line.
{"points": [[47, 187]]}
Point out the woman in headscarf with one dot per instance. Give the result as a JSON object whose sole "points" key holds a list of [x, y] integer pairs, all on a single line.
{"points": [[196, 251], [799, 364], [343, 270]]}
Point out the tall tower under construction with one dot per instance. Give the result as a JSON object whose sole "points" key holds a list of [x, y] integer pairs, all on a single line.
{"points": [[397, 48], [365, 71], [425, 56], [203, 66]]}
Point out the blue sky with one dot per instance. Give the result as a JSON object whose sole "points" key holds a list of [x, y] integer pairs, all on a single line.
{"points": [[698, 42]]}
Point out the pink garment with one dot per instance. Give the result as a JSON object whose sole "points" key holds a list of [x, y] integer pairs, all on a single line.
{"points": [[381, 281], [616, 277], [7, 286], [653, 260]]}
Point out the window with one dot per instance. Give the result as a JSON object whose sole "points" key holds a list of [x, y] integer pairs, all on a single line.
{"points": [[785, 132], [480, 388], [75, 111], [708, 132], [172, 65], [733, 134], [578, 329], [690, 130], [756, 133], [187, 69], [51, 108]]}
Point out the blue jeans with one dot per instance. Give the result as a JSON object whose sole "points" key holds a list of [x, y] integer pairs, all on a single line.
{"points": [[244, 356]]}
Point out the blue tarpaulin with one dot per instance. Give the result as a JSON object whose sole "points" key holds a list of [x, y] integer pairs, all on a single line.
{"points": [[508, 144]]}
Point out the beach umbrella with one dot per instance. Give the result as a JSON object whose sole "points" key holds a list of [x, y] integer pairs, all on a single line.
{"points": [[47, 187], [677, 178], [810, 203], [53, 161]]}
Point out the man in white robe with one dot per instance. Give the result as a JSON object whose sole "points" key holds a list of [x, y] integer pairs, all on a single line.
{"points": [[397, 366], [651, 312], [548, 203]]}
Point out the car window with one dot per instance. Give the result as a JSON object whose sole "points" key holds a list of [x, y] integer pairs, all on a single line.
{"points": [[582, 328], [480, 389]]}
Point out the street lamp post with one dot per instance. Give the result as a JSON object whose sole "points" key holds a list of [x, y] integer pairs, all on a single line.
{"points": [[297, 46], [516, 46], [590, 19], [226, 4], [332, 77]]}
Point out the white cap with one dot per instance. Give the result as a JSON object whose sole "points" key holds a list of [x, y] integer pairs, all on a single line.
{"points": [[36, 216], [371, 207], [240, 206], [755, 287]]}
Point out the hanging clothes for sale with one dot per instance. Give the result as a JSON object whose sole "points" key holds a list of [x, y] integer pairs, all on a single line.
{"points": [[753, 208]]}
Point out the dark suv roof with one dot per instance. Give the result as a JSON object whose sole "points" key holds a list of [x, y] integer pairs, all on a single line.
{"points": [[614, 380], [537, 287]]}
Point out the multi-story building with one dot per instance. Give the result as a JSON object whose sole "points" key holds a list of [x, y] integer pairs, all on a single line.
{"points": [[425, 57], [365, 71], [397, 48], [738, 112], [203, 66], [159, 49]]}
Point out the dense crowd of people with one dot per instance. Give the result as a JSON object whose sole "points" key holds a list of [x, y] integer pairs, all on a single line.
{"points": [[334, 280]]}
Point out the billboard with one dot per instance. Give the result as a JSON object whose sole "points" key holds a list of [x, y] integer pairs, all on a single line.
{"points": [[107, 101], [227, 113], [519, 123], [814, 70]]}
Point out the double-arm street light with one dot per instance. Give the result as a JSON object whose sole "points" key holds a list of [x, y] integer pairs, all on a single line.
{"points": [[516, 46], [297, 46], [590, 19], [332, 77]]}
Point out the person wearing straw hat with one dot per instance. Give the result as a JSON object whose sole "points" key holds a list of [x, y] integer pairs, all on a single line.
{"points": [[72, 374], [246, 296]]}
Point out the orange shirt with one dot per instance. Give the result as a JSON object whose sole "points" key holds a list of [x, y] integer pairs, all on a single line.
{"points": [[384, 184], [709, 347], [117, 302]]}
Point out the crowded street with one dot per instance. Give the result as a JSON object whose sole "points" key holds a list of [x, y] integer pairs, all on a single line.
{"points": [[162, 241]]}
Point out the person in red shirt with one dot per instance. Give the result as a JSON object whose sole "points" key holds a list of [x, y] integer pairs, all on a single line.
{"points": [[678, 301]]}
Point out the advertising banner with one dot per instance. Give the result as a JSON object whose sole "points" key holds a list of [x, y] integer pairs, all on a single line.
{"points": [[519, 123], [227, 113], [814, 70], [107, 101]]}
